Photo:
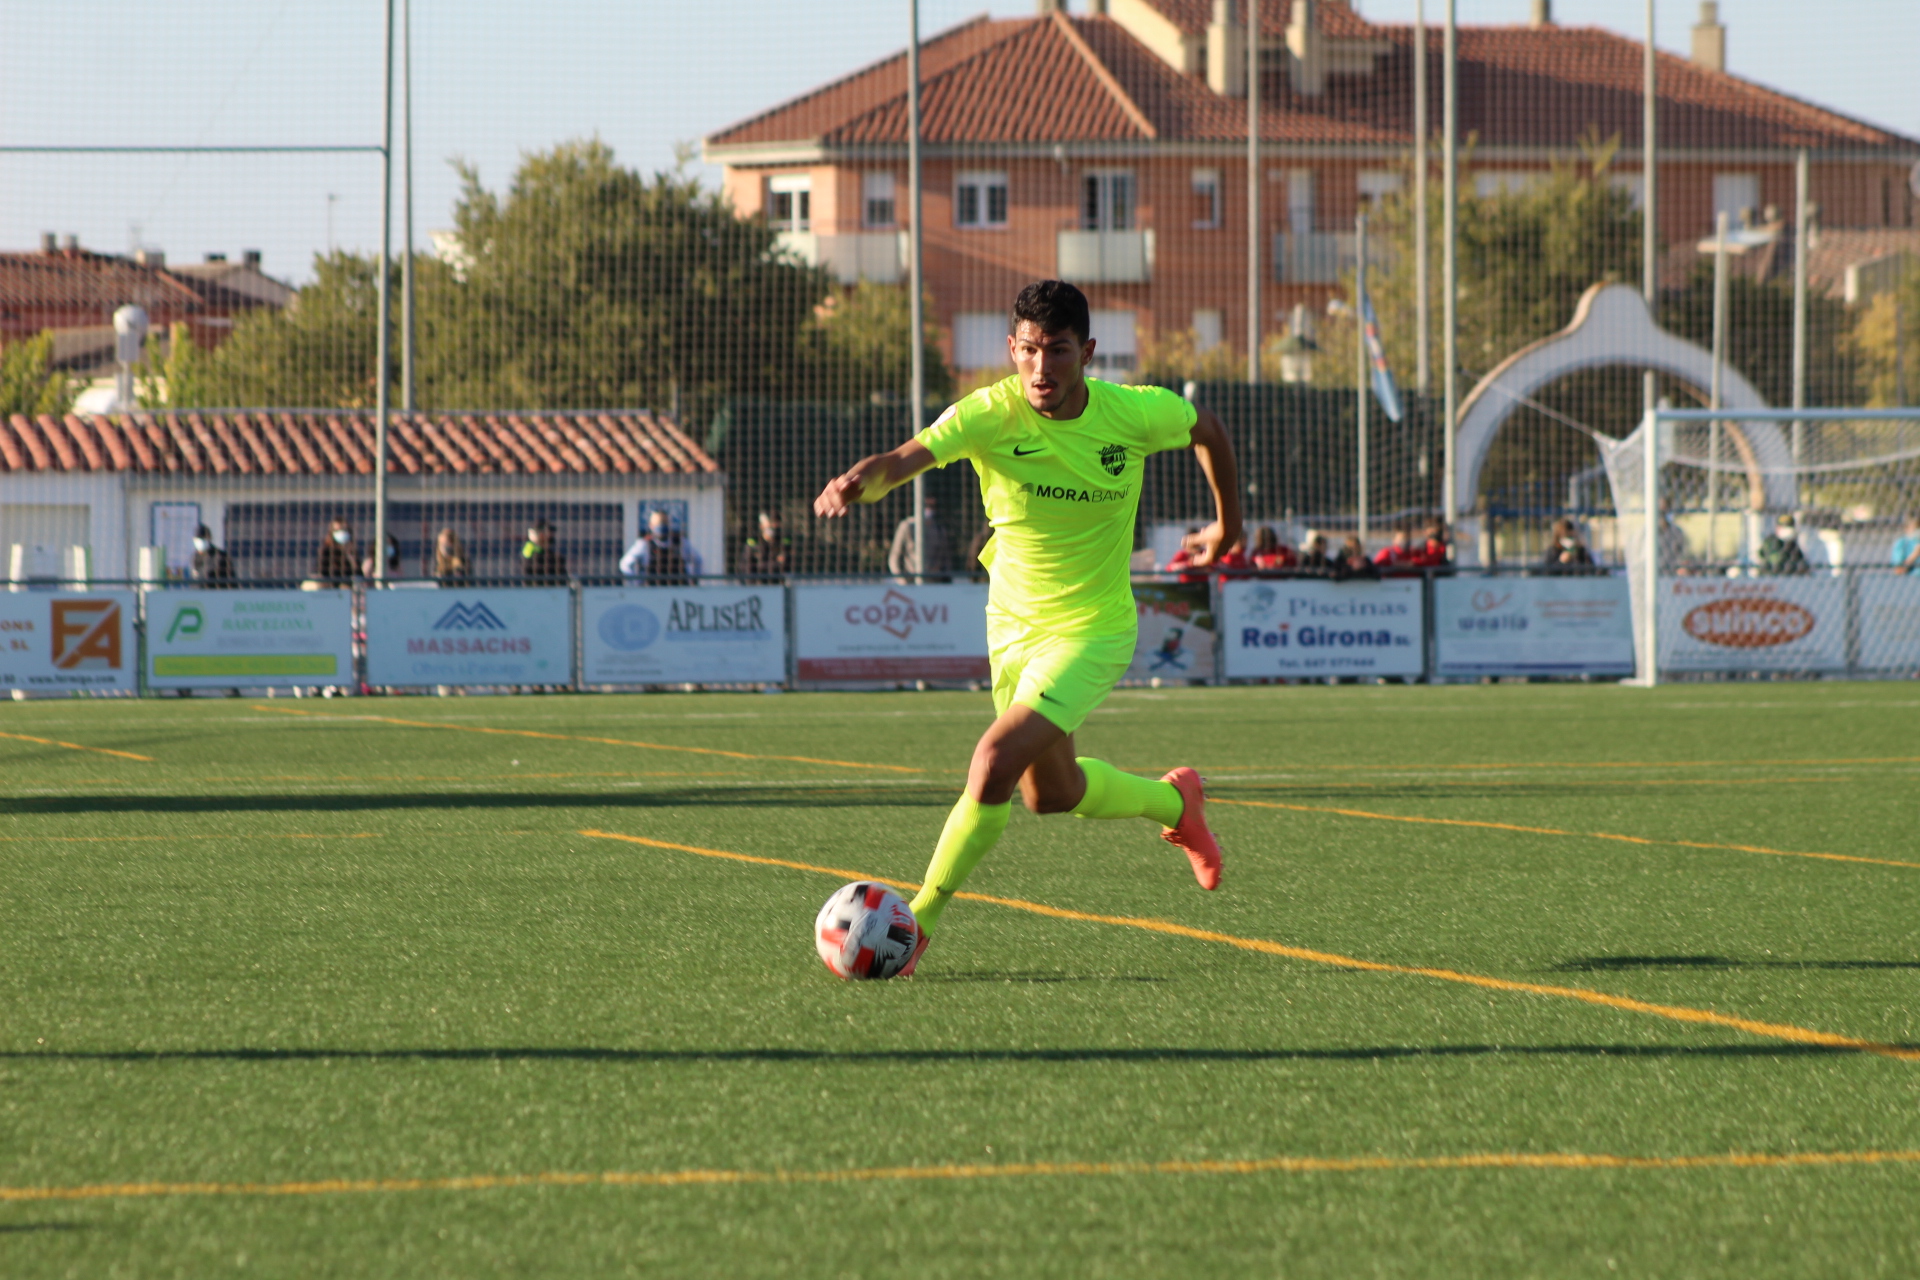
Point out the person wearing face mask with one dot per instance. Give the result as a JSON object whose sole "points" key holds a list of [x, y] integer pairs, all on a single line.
{"points": [[211, 565], [662, 556], [337, 562], [1565, 552], [540, 561]]}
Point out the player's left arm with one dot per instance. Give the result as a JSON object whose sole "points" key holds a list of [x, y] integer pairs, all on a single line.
{"points": [[1214, 452]]}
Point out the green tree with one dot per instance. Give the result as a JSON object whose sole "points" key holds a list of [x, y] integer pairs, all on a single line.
{"points": [[316, 353], [855, 347], [1760, 335], [1885, 340], [28, 381]]}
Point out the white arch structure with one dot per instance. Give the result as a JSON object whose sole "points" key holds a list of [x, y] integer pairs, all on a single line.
{"points": [[1612, 326]]}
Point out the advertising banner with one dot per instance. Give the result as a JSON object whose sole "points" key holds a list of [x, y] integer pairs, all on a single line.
{"points": [[1176, 631], [512, 635], [1753, 624], [224, 639], [891, 632], [1574, 625], [690, 635], [1889, 605], [53, 642], [1314, 627]]}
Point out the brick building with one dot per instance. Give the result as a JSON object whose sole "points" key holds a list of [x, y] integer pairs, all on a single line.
{"points": [[1110, 149]]}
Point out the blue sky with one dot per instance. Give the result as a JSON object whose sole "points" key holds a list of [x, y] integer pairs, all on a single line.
{"points": [[494, 79]]}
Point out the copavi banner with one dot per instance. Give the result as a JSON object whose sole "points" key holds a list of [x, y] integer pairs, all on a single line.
{"points": [[890, 632]]}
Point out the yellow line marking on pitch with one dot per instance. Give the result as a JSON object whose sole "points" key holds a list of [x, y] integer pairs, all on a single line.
{"points": [[292, 835], [1677, 1013], [1571, 1160], [608, 742], [75, 746], [1556, 831], [1560, 764]]}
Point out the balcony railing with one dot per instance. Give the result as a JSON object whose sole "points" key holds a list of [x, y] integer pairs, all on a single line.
{"points": [[1105, 257], [1315, 257], [879, 256]]}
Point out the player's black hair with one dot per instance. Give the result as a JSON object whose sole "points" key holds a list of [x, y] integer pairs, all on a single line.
{"points": [[1055, 306]]}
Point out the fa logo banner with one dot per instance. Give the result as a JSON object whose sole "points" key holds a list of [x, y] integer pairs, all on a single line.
{"points": [[86, 635]]}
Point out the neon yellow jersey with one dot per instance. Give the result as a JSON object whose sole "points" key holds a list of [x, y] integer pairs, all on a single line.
{"points": [[1061, 496]]}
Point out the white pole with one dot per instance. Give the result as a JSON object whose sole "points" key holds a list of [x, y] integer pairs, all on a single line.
{"points": [[1650, 450], [382, 353], [1802, 234], [1449, 256], [1649, 204], [1718, 381], [917, 392], [1254, 186], [1362, 366], [406, 199], [1422, 321]]}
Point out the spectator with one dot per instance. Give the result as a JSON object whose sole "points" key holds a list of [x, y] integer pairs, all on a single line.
{"points": [[662, 556], [1780, 550], [540, 560], [211, 565], [770, 556], [1313, 554], [1233, 560], [903, 558], [393, 560], [1906, 548], [1181, 562], [1565, 552], [1269, 553], [1397, 556], [336, 561], [1673, 549], [1432, 553], [1352, 562], [450, 564]]}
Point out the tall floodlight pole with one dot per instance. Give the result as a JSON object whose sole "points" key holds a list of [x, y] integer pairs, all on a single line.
{"points": [[406, 199], [381, 352], [1802, 233], [1254, 179], [1649, 183], [1362, 366], [1449, 258], [917, 389], [1422, 320], [1717, 380]]}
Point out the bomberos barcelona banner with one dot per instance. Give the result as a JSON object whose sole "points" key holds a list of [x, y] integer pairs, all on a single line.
{"points": [[229, 639]]}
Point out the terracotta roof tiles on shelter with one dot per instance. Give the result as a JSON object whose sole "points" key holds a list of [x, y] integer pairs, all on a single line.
{"points": [[336, 444]]}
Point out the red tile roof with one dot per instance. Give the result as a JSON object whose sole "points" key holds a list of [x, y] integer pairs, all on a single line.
{"points": [[323, 443], [95, 281], [1088, 79]]}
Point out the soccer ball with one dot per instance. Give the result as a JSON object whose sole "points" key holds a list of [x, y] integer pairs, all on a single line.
{"points": [[865, 931]]}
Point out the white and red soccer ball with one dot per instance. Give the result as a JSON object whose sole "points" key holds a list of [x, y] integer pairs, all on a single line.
{"points": [[866, 931]]}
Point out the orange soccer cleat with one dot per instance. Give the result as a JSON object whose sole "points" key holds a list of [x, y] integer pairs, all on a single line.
{"points": [[1203, 851], [906, 970]]}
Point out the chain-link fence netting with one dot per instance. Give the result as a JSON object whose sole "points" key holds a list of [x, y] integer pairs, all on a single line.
{"points": [[581, 348]]}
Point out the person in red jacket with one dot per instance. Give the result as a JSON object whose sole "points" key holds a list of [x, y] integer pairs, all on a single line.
{"points": [[1269, 553], [1432, 551], [1396, 556]]}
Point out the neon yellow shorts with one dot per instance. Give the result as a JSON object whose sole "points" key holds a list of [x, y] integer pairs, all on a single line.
{"points": [[1062, 677]]}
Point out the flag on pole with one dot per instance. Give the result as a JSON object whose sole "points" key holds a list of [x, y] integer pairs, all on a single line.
{"points": [[1384, 389]]}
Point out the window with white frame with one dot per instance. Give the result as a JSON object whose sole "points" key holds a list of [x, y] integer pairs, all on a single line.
{"points": [[790, 202], [980, 199], [1116, 344], [1207, 212], [1376, 184], [1735, 194], [1209, 329], [876, 199], [1106, 200], [979, 339], [1507, 182]]}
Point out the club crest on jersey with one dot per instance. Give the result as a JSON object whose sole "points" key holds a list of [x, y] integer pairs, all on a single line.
{"points": [[1114, 458]]}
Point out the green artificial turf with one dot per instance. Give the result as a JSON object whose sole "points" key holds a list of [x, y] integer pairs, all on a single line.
{"points": [[303, 943]]}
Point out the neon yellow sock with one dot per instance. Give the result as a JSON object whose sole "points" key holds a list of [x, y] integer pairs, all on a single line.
{"points": [[1113, 794], [971, 830]]}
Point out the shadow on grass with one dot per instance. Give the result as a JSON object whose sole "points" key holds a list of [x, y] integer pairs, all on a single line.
{"points": [[18, 1228], [697, 1057], [991, 975], [852, 796], [1613, 964]]}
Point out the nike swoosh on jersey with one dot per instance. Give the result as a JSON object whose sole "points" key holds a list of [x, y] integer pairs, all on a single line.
{"points": [[1018, 452]]}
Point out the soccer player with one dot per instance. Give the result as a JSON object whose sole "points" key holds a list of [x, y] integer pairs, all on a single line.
{"points": [[1060, 458]]}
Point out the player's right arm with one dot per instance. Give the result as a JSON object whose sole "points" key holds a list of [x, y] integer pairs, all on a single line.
{"points": [[872, 479]]}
